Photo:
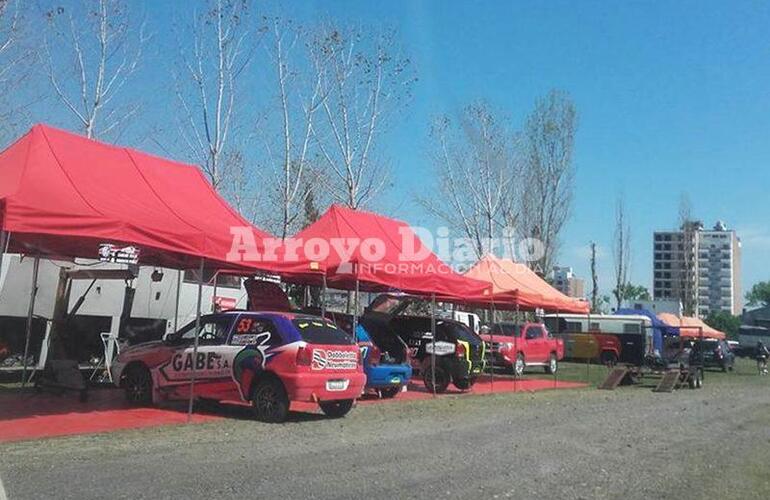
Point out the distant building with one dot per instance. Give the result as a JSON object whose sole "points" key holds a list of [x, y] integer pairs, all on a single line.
{"points": [[655, 306], [699, 267], [566, 282], [757, 317]]}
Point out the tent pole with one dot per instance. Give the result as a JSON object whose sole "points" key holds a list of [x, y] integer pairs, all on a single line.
{"points": [[516, 333], [491, 365], [433, 342], [5, 238], [323, 297], [30, 312], [195, 342], [214, 293], [355, 310], [176, 305]]}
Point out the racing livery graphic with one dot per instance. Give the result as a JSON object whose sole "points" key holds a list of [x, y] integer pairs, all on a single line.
{"points": [[265, 359]]}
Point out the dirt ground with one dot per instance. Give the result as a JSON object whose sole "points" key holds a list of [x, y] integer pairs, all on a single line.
{"points": [[584, 443]]}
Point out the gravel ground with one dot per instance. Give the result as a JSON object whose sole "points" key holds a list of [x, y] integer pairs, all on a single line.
{"points": [[630, 443]]}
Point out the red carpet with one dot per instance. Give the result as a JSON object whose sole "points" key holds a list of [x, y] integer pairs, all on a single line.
{"points": [[34, 416]]}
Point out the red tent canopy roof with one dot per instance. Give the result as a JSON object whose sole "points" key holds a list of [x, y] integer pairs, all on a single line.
{"points": [[515, 284], [691, 327], [392, 266], [62, 195]]}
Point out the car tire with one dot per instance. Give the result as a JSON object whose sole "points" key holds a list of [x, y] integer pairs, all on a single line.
{"points": [[553, 365], [442, 379], [464, 384], [390, 392], [336, 409], [269, 401], [724, 367], [519, 365], [609, 358], [137, 385]]}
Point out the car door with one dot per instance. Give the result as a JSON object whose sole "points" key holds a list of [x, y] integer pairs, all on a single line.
{"points": [[250, 346], [535, 344], [211, 365]]}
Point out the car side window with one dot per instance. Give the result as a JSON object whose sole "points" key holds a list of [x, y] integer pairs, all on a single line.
{"points": [[255, 331], [212, 331], [534, 332]]}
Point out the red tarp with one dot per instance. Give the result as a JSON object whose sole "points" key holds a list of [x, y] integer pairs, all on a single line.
{"points": [[62, 195], [691, 327], [356, 232], [515, 284]]}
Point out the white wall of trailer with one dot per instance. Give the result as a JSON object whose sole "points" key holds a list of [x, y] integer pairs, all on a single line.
{"points": [[153, 300]]}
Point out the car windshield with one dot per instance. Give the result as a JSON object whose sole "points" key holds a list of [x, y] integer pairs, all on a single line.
{"points": [[318, 331], [504, 329]]}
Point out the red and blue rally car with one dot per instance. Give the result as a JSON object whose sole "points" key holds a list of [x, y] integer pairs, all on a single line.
{"points": [[265, 358]]}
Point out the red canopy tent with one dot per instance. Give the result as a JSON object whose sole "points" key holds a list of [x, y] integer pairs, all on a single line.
{"points": [[374, 252], [516, 285], [62, 195], [691, 327]]}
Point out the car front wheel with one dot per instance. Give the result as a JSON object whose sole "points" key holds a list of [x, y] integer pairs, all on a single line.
{"points": [[336, 409], [390, 392], [553, 365], [518, 365], [270, 402]]}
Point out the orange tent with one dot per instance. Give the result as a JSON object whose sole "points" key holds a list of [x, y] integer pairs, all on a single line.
{"points": [[515, 284], [691, 327]]}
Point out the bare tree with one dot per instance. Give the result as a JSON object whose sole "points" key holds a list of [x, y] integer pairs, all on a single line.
{"points": [[364, 82], [105, 51], [477, 167], [546, 201], [207, 82], [299, 80], [687, 275], [621, 252], [12, 57], [594, 281]]}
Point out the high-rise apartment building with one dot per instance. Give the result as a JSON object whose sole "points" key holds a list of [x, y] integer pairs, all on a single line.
{"points": [[566, 282], [699, 267]]}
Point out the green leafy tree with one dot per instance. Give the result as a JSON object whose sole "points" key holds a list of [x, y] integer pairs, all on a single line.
{"points": [[629, 291], [724, 322], [759, 295]]}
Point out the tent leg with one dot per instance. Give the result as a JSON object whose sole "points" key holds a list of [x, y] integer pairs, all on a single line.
{"points": [[195, 342], [5, 239], [355, 311], [433, 342], [176, 304], [517, 332], [323, 298], [30, 312]]}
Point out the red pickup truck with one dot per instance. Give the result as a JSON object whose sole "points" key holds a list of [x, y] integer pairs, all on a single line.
{"points": [[516, 347]]}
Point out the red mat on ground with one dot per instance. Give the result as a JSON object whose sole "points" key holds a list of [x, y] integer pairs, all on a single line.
{"points": [[35, 416]]}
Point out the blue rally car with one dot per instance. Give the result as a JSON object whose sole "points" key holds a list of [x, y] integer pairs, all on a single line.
{"points": [[386, 372]]}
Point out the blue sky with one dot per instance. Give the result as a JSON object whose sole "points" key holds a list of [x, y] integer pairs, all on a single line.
{"points": [[673, 97]]}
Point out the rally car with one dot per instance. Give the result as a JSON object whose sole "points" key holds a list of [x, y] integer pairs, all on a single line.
{"points": [[265, 358], [459, 352]]}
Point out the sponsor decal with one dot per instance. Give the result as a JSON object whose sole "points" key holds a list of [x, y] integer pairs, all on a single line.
{"points": [[126, 255], [442, 348], [334, 360]]}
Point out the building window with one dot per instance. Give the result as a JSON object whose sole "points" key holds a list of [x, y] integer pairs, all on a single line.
{"points": [[223, 280]]}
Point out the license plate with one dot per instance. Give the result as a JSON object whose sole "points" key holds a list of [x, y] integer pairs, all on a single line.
{"points": [[337, 385]]}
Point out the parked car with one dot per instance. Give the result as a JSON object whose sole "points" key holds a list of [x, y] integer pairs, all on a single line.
{"points": [[516, 347], [387, 370], [716, 354], [267, 359], [457, 350]]}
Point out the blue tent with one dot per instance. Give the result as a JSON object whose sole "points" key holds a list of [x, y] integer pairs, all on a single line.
{"points": [[659, 328]]}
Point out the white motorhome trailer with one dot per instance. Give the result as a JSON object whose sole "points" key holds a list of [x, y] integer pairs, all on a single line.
{"points": [[154, 311]]}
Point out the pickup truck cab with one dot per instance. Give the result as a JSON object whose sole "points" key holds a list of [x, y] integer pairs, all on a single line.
{"points": [[267, 359], [517, 347]]}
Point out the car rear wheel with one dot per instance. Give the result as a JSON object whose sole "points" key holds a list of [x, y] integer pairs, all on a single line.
{"points": [[442, 379], [553, 365], [518, 365], [137, 385], [336, 409], [390, 392], [270, 402]]}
